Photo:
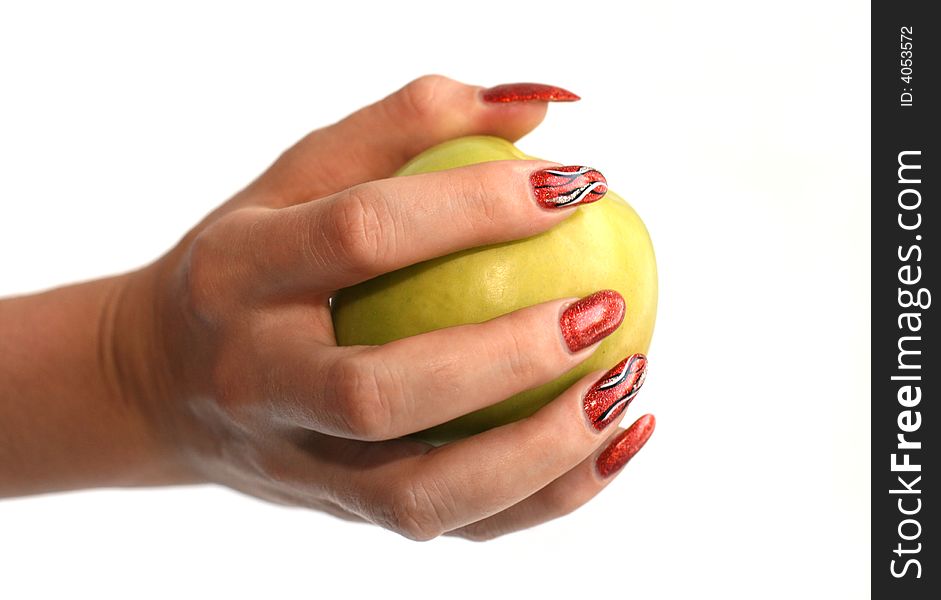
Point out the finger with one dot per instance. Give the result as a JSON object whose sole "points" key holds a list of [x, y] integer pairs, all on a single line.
{"points": [[383, 392], [471, 479], [385, 225], [569, 492], [375, 141]]}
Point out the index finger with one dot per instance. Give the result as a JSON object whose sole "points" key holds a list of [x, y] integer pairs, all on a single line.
{"points": [[386, 225]]}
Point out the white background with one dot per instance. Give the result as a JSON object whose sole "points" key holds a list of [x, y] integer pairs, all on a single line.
{"points": [[739, 131]]}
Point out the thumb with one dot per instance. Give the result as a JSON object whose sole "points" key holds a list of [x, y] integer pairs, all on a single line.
{"points": [[375, 141]]}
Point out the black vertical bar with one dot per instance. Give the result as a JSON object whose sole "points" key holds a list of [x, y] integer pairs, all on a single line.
{"points": [[906, 163]]}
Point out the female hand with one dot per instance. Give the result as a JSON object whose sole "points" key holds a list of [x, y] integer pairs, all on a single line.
{"points": [[226, 343]]}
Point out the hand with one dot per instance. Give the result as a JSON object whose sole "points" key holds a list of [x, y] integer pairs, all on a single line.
{"points": [[228, 338]]}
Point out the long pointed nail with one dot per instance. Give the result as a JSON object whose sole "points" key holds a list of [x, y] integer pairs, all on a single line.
{"points": [[527, 92], [591, 319], [624, 446], [561, 187], [615, 390]]}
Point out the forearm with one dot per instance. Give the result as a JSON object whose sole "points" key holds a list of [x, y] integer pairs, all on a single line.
{"points": [[71, 414]]}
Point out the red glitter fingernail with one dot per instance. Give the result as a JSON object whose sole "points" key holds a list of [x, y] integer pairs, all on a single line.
{"points": [[624, 446], [527, 92], [611, 394], [591, 319], [561, 187]]}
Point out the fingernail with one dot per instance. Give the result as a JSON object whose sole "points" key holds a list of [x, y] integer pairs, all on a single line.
{"points": [[560, 187], [615, 390], [527, 92], [624, 446], [591, 319]]}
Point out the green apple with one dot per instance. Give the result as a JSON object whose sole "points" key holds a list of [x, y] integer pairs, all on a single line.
{"points": [[602, 246]]}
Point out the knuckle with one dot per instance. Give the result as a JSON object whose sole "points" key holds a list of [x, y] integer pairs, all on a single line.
{"points": [[362, 234], [360, 401], [420, 99], [414, 512], [201, 275], [518, 358], [488, 210], [476, 188], [212, 264]]}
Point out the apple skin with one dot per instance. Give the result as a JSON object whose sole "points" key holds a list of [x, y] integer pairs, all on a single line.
{"points": [[603, 245]]}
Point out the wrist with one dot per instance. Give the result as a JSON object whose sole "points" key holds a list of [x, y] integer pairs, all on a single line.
{"points": [[76, 402], [137, 352]]}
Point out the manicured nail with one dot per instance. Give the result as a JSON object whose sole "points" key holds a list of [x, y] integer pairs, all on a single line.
{"points": [[560, 187], [527, 92], [591, 319], [624, 446], [615, 390]]}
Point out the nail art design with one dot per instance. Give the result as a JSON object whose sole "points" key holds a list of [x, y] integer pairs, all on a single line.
{"points": [[559, 187], [591, 319], [624, 446], [615, 390], [527, 92]]}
